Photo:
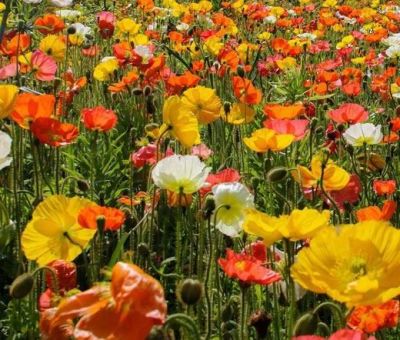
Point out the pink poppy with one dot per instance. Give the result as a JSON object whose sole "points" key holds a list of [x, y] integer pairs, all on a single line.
{"points": [[202, 151], [106, 23], [45, 67], [342, 334], [8, 71], [147, 155], [349, 113], [296, 127]]}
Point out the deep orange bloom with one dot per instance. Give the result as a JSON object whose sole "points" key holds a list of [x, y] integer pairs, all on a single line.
{"points": [[49, 24], [52, 132], [15, 43], [125, 82], [145, 5], [247, 269], [126, 309], [370, 319], [278, 111], [28, 107], [245, 91], [176, 84], [375, 213], [99, 118], [114, 218], [382, 187]]}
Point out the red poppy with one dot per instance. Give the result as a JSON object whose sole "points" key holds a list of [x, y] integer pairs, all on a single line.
{"points": [[224, 176], [147, 155], [114, 218], [29, 107], [343, 334], [99, 119], [126, 309], [65, 272], [49, 24], [382, 187], [376, 213], [52, 132], [106, 23], [370, 319], [245, 91], [258, 250], [349, 113], [126, 54], [247, 269]]}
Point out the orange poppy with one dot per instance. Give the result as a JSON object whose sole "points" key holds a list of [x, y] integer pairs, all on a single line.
{"points": [[382, 187], [15, 43], [375, 213], [145, 5], [176, 84], [114, 218], [52, 132], [28, 107], [49, 24], [99, 119], [125, 82], [245, 91], [278, 111], [125, 309]]}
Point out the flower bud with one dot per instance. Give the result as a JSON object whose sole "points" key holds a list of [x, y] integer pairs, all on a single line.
{"points": [[137, 91], [306, 324], [209, 207], [341, 128], [227, 108], [150, 106], [71, 30], [147, 90], [83, 185], [240, 71], [260, 321], [143, 250], [22, 286], [277, 174], [190, 291]]}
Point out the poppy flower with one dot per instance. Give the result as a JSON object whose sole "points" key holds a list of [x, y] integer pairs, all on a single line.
{"points": [[114, 218], [128, 80], [65, 272], [295, 127], [350, 193], [49, 24], [228, 175], [127, 308], [53, 46], [370, 319], [8, 96], [239, 113], [363, 134], [247, 269], [278, 111], [43, 66], [106, 22], [384, 187], [202, 151], [54, 233], [245, 91], [99, 119], [349, 113], [52, 132], [375, 213], [5, 150], [105, 69], [28, 107], [342, 334], [265, 139], [15, 43]]}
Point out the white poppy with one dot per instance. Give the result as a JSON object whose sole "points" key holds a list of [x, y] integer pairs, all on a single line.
{"points": [[180, 174], [393, 51], [5, 149], [62, 3], [32, 1], [363, 133], [231, 199]]}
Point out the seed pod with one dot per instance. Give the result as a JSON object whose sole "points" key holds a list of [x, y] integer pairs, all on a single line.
{"points": [[190, 291], [306, 324], [22, 286]]}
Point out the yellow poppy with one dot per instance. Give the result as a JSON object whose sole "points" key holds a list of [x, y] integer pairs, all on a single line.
{"points": [[335, 178], [8, 95], [180, 122], [203, 103], [356, 264], [104, 70], [53, 46], [299, 225], [239, 113], [265, 139], [54, 232]]}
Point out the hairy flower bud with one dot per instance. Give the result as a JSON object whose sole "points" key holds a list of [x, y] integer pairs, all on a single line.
{"points": [[22, 286]]}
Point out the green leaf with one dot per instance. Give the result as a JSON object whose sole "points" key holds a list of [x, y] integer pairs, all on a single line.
{"points": [[118, 250]]}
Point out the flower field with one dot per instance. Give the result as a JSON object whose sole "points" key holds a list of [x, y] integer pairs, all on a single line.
{"points": [[199, 170]]}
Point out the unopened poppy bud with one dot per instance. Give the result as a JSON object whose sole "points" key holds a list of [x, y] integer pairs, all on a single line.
{"points": [[350, 149], [150, 127], [240, 71], [71, 30], [209, 207], [277, 174], [227, 107], [150, 106], [83, 185], [101, 223], [137, 91], [319, 129], [306, 324], [341, 128], [313, 124], [190, 291], [147, 90], [22, 286], [143, 250], [397, 110], [260, 321], [156, 333]]}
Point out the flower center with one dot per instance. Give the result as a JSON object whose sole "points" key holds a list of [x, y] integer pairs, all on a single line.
{"points": [[358, 267]]}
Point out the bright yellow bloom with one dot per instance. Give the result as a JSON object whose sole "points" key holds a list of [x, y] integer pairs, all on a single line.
{"points": [[286, 63], [203, 102], [139, 39], [2, 7], [213, 45], [240, 113], [265, 139], [299, 225], [8, 95], [357, 264], [104, 70], [127, 26], [329, 3], [180, 122], [335, 178], [264, 36], [54, 232], [53, 46]]}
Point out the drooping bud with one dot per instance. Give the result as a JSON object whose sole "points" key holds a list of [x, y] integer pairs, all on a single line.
{"points": [[190, 291], [22, 286], [240, 71], [209, 207], [143, 250], [306, 324], [260, 321], [277, 174]]}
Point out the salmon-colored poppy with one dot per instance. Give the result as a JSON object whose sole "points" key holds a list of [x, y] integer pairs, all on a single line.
{"points": [[126, 309], [43, 66], [295, 127], [52, 132], [349, 113], [128, 80], [29, 107], [114, 218], [384, 187], [99, 118]]}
